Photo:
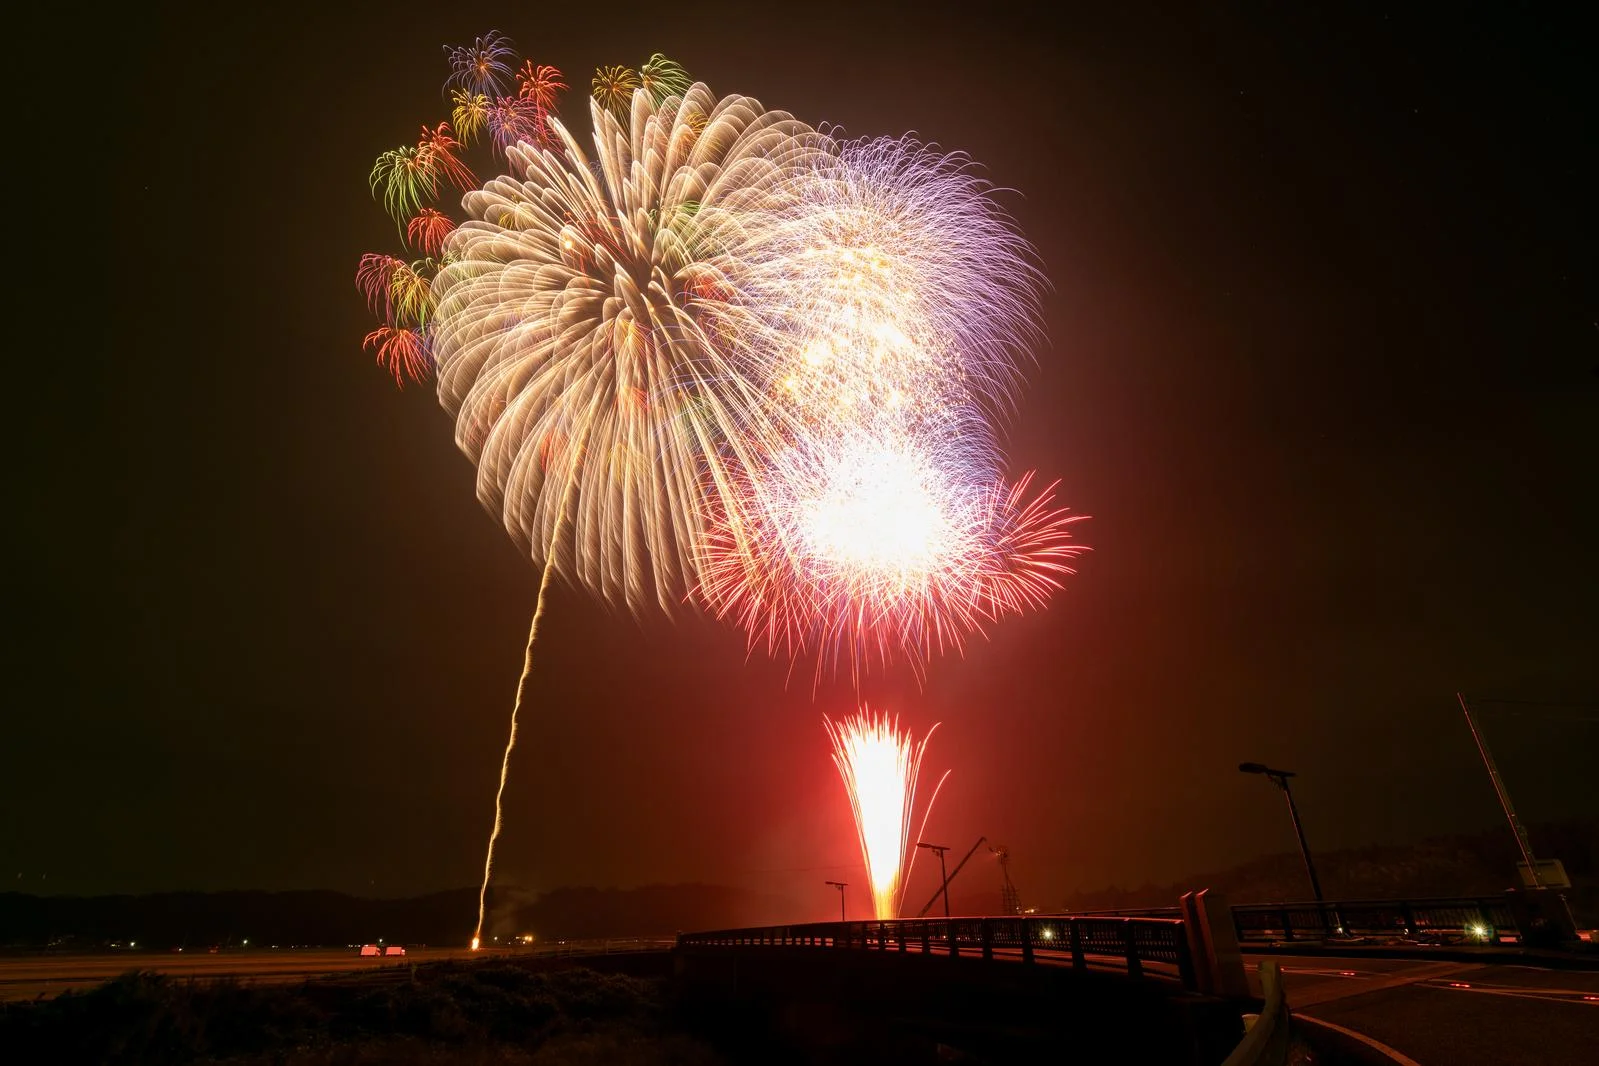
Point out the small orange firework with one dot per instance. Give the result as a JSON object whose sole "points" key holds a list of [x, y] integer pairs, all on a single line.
{"points": [[403, 351], [443, 152], [541, 84], [428, 230], [880, 765]]}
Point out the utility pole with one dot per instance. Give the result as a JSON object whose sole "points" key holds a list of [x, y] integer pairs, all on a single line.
{"points": [[841, 886], [940, 848], [1280, 779]]}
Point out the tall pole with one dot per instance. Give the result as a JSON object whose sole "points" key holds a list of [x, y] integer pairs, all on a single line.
{"points": [[841, 886], [1304, 849], [945, 876], [1504, 797]]}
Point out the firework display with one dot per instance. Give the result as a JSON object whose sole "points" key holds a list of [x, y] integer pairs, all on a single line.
{"points": [[584, 383], [880, 765], [715, 355], [883, 306]]}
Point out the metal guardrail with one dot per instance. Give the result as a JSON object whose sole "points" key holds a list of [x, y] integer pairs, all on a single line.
{"points": [[1140, 946], [1473, 919], [1476, 919]]}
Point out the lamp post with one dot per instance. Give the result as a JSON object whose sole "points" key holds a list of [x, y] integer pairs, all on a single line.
{"points": [[1280, 779], [943, 877], [841, 886]]}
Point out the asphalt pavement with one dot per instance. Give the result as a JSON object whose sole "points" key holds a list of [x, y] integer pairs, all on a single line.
{"points": [[1445, 1013]]}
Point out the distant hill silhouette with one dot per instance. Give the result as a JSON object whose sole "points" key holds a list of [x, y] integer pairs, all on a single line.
{"points": [[1464, 865], [605, 912], [1482, 863], [173, 919]]}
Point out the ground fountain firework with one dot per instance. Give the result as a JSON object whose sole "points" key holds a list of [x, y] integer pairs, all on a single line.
{"points": [[880, 765]]}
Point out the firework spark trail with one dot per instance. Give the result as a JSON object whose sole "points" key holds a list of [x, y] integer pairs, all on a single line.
{"points": [[880, 766], [510, 745], [550, 555]]}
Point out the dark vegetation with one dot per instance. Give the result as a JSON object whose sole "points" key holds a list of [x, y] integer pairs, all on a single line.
{"points": [[449, 1014]]}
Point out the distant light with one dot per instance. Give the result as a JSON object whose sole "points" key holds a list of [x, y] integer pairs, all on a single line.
{"points": [[1480, 932], [1049, 934], [247, 943]]}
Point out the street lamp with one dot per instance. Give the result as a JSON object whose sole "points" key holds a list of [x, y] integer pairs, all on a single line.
{"points": [[841, 886], [1280, 779], [944, 878]]}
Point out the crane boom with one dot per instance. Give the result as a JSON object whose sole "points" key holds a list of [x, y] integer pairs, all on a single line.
{"points": [[945, 886]]}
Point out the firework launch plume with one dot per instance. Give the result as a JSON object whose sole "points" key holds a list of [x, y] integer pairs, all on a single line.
{"points": [[880, 765]]}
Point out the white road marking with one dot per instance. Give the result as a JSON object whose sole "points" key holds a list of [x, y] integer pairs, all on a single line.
{"points": [[1552, 995], [1376, 1045]]}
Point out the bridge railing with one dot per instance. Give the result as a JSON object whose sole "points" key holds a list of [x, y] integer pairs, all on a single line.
{"points": [[1140, 946], [1481, 919]]}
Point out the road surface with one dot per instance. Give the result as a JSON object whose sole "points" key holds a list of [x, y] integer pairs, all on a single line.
{"points": [[1438, 1013], [1431, 1013]]}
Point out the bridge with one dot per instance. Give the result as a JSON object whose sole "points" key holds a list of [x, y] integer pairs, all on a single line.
{"points": [[1417, 981]]}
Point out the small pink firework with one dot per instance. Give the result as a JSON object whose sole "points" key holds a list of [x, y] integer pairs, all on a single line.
{"points": [[517, 120], [872, 553], [373, 277]]}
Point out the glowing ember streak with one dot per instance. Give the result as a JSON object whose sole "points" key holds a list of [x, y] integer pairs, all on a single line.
{"points": [[880, 765]]}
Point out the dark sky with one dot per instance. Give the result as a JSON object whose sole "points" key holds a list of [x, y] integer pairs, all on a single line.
{"points": [[1323, 366]]}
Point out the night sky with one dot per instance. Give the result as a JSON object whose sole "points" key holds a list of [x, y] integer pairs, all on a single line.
{"points": [[1323, 367]]}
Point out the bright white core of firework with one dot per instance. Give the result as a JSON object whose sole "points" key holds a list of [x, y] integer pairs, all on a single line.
{"points": [[877, 508]]}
